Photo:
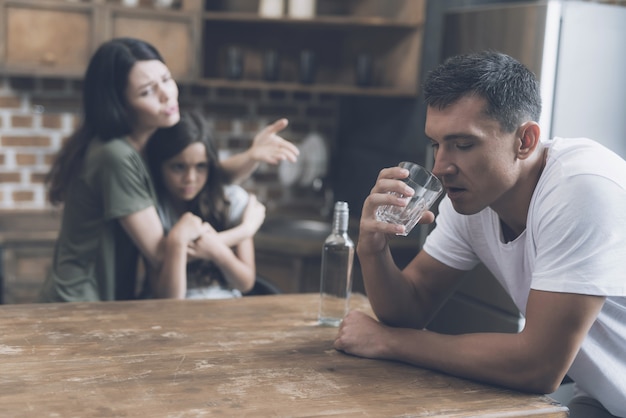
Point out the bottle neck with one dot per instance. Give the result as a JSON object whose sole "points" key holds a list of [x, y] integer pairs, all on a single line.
{"points": [[340, 222]]}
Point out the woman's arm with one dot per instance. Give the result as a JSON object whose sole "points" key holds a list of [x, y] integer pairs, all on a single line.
{"points": [[267, 146], [145, 229], [166, 256]]}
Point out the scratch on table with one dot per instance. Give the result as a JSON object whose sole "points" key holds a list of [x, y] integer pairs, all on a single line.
{"points": [[86, 379], [55, 336], [312, 384], [203, 364], [111, 335], [135, 376], [7, 349], [238, 387], [228, 344], [178, 367], [173, 334], [32, 347]]}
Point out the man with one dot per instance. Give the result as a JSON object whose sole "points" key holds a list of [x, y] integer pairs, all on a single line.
{"points": [[548, 218]]}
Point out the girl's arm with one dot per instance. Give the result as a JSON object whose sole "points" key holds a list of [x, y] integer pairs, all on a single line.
{"points": [[252, 219], [237, 264]]}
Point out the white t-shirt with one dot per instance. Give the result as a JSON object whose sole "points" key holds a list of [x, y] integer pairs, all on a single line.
{"points": [[574, 242]]}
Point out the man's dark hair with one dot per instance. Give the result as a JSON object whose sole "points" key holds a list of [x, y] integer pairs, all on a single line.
{"points": [[510, 89]]}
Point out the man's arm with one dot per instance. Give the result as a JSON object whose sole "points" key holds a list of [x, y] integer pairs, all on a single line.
{"points": [[534, 360], [399, 298]]}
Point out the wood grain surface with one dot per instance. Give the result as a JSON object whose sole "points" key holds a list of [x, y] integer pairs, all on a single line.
{"points": [[259, 356]]}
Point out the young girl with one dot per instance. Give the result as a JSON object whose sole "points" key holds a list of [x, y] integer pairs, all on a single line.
{"points": [[99, 175], [189, 181]]}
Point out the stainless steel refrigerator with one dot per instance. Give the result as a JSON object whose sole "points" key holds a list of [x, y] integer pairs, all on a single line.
{"points": [[576, 49], [578, 52]]}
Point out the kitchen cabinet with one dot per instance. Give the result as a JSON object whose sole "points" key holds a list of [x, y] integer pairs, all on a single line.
{"points": [[389, 32], [57, 37], [46, 38], [27, 240], [25, 265], [172, 32]]}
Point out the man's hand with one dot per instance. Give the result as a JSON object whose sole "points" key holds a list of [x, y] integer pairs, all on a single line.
{"points": [[362, 336], [373, 234]]}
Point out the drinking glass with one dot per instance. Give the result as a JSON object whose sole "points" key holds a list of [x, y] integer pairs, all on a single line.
{"points": [[427, 188]]}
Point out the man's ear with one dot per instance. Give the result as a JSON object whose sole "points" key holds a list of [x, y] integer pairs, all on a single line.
{"points": [[528, 139]]}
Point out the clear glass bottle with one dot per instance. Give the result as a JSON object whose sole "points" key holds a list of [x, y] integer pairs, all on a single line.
{"points": [[336, 276]]}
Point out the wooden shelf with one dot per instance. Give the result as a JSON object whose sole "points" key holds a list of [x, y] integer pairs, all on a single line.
{"points": [[346, 90], [319, 21], [388, 31]]}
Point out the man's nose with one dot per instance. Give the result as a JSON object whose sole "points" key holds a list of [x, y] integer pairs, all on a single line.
{"points": [[443, 166]]}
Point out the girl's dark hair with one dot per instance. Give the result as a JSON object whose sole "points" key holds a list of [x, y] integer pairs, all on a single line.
{"points": [[510, 89], [210, 204], [105, 111]]}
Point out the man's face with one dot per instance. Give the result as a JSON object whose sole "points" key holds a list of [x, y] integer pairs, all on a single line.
{"points": [[475, 160]]}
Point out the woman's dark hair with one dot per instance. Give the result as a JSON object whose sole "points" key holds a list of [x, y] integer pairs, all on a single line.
{"points": [[510, 89], [105, 111], [210, 204]]}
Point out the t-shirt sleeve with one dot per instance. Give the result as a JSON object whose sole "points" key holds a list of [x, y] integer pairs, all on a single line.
{"points": [[447, 242], [238, 198], [125, 185], [581, 238]]}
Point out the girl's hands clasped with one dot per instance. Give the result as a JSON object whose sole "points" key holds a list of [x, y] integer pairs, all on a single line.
{"points": [[188, 229]]}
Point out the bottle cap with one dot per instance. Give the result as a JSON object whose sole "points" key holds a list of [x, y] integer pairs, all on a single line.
{"points": [[341, 206]]}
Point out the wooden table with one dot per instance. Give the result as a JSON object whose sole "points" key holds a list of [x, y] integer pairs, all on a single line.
{"points": [[257, 356]]}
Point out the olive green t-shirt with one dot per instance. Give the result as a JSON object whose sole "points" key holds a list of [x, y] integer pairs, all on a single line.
{"points": [[94, 258]]}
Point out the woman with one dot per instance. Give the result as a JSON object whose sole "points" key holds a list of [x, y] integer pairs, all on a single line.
{"points": [[188, 179], [99, 175]]}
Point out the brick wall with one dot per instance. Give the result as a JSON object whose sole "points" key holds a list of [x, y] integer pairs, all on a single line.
{"points": [[36, 114]]}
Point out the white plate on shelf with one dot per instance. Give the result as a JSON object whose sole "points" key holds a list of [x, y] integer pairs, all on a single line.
{"points": [[314, 155], [289, 173]]}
